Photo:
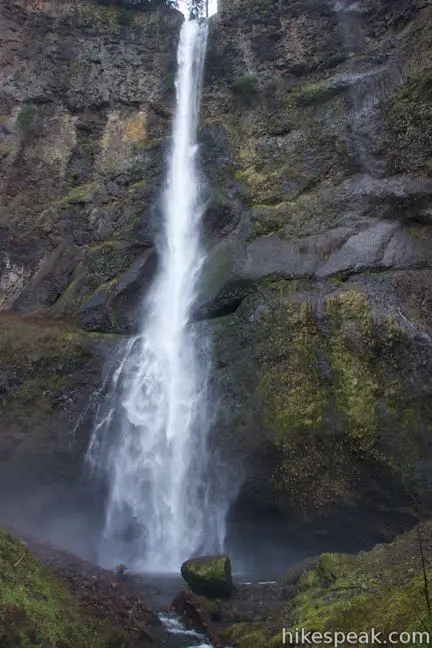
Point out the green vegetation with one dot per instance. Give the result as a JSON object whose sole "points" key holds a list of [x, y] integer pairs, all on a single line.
{"points": [[26, 118], [40, 358], [246, 86], [312, 94], [356, 384], [125, 17], [381, 589], [170, 78], [409, 113], [246, 635], [36, 609], [297, 402], [79, 194], [105, 262], [267, 221], [330, 397]]}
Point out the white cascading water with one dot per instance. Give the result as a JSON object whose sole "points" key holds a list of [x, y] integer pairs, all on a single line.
{"points": [[159, 511]]}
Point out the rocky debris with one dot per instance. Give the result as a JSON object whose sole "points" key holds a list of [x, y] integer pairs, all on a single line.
{"points": [[209, 576], [195, 612], [251, 605]]}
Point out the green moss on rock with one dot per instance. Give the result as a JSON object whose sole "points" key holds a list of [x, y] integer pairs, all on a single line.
{"points": [[332, 386], [267, 221], [381, 589], [209, 576], [246, 635], [37, 359], [290, 380], [80, 194], [107, 261], [409, 112], [356, 382], [315, 93]]}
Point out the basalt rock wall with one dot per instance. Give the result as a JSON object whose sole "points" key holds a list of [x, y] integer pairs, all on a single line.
{"points": [[317, 290]]}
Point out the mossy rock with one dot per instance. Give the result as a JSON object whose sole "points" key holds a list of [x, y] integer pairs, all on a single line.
{"points": [[381, 589], [316, 93], [246, 635], [332, 386], [36, 609], [47, 368], [209, 576], [324, 409], [77, 195]]}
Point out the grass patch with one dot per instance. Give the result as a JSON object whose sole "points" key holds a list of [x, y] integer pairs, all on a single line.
{"points": [[246, 86], [36, 609]]}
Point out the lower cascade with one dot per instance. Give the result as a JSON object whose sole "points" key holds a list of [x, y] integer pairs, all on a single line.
{"points": [[150, 441]]}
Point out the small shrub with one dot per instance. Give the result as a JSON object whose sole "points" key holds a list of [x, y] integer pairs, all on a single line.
{"points": [[170, 79], [26, 117], [125, 17], [246, 85]]}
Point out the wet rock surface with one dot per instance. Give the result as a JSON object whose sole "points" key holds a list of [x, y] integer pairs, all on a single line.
{"points": [[209, 576]]}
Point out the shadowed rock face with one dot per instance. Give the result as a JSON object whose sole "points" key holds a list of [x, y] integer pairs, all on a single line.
{"points": [[316, 151]]}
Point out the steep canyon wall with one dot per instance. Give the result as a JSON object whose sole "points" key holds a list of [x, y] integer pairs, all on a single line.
{"points": [[317, 152]]}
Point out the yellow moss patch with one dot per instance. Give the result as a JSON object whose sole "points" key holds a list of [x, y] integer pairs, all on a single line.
{"points": [[329, 397], [294, 398], [26, 344], [135, 128]]}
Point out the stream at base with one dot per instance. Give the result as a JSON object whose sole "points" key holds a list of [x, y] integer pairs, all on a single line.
{"points": [[163, 588], [180, 636]]}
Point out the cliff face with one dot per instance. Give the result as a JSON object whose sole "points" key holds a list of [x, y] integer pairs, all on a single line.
{"points": [[318, 286], [85, 110], [85, 105], [320, 114]]}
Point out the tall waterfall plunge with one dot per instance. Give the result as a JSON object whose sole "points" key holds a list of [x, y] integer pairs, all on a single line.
{"points": [[151, 436]]}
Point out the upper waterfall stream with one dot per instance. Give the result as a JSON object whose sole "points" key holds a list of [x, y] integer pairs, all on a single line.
{"points": [[150, 440]]}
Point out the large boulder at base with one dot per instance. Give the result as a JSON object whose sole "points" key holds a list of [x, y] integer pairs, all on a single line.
{"points": [[209, 576]]}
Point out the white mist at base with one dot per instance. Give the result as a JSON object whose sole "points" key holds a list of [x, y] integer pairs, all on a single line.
{"points": [[160, 509]]}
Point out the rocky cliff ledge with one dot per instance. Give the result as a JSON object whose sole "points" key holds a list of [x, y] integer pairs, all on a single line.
{"points": [[315, 121], [316, 147]]}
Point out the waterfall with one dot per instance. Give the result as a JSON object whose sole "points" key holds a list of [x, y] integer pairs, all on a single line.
{"points": [[369, 83], [155, 421]]}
